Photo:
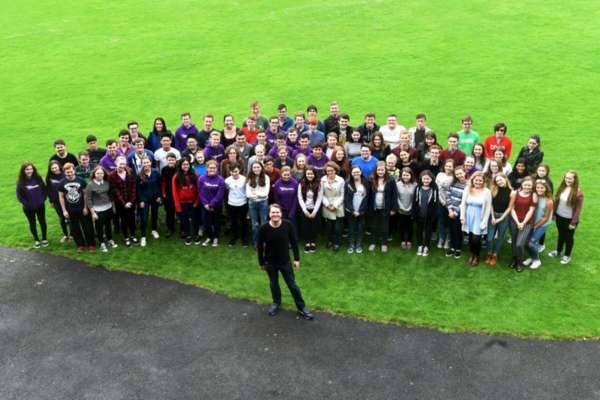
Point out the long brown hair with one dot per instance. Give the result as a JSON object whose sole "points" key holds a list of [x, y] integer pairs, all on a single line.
{"points": [[21, 178], [375, 177], [142, 174], [572, 200], [306, 185], [252, 178]]}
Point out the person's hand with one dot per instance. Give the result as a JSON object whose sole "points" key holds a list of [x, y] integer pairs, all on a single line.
{"points": [[141, 204], [313, 215], [114, 209], [483, 226], [128, 204], [52, 205], [462, 221], [572, 226], [94, 215], [520, 226], [451, 214], [392, 212], [296, 264], [356, 214], [85, 211], [494, 221], [207, 207], [159, 200], [66, 214]]}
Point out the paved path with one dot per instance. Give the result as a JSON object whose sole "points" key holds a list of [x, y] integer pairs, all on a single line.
{"points": [[68, 331]]}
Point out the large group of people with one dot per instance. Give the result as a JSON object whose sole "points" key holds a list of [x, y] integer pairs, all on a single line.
{"points": [[347, 185]]}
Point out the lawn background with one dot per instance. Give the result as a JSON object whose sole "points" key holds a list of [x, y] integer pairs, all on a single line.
{"points": [[73, 68]]}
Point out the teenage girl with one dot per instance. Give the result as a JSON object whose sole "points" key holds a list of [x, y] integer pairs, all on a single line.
{"points": [[310, 198], [456, 192], [356, 198], [383, 202], [475, 210], [211, 192], [541, 220], [257, 191], [568, 202], [425, 209], [443, 181], [185, 199], [102, 207], [149, 198], [499, 217], [31, 193], [405, 186], [237, 205], [53, 178], [333, 204], [524, 202]]}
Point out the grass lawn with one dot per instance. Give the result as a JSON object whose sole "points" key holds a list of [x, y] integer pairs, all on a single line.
{"points": [[72, 68]]}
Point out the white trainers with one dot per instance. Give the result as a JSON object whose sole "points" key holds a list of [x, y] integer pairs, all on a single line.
{"points": [[425, 251], [155, 234], [553, 253], [565, 260], [215, 242], [447, 244], [541, 248], [420, 251], [201, 231], [527, 262], [112, 244], [207, 242], [143, 242], [384, 248], [536, 264], [440, 244], [64, 239], [103, 248], [371, 247]]}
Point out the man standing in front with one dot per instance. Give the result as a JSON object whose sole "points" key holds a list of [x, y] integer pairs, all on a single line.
{"points": [[274, 240], [467, 137]]}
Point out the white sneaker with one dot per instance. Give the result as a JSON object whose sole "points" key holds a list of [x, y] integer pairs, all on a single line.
{"points": [[384, 248], [201, 231], [112, 244], [371, 247], [509, 240], [425, 251], [565, 260], [536, 264], [64, 239], [155, 234], [541, 248], [440, 244], [527, 262], [447, 244], [215, 242], [143, 242], [420, 251], [103, 248], [553, 253], [207, 242]]}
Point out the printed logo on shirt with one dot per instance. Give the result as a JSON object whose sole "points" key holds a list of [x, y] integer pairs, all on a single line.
{"points": [[73, 194]]}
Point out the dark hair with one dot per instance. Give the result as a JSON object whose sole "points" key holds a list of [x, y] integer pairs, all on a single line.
{"points": [[90, 138], [421, 115], [59, 141], [227, 115], [500, 125], [124, 132], [35, 175], [132, 123], [374, 177], [453, 135], [281, 107], [184, 114], [428, 173], [345, 116], [370, 114], [537, 138], [311, 107], [408, 170], [181, 175], [110, 141], [161, 119], [49, 173], [305, 136], [306, 185], [252, 176]]}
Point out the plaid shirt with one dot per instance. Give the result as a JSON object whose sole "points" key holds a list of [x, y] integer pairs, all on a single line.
{"points": [[123, 190]]}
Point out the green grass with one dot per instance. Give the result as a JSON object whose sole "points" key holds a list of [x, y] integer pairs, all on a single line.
{"points": [[74, 68]]}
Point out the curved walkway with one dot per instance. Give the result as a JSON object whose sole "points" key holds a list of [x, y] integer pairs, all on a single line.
{"points": [[68, 331]]}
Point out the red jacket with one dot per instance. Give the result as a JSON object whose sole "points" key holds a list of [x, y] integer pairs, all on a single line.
{"points": [[458, 156], [186, 193], [123, 190], [490, 145]]}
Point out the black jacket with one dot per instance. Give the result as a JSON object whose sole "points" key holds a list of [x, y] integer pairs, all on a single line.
{"points": [[432, 205], [349, 195], [390, 196]]}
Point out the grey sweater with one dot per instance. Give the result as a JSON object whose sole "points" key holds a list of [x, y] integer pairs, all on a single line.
{"points": [[99, 196]]}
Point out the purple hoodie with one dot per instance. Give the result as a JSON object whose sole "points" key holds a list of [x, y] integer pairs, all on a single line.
{"points": [[181, 136], [285, 194], [31, 193], [211, 190], [108, 163], [214, 153], [274, 152], [318, 164], [271, 135]]}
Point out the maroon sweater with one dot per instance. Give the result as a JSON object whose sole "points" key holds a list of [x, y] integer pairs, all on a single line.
{"points": [[123, 190]]}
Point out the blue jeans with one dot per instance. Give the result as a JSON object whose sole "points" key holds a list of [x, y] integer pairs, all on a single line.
{"points": [[258, 216], [443, 222], [534, 242], [500, 228]]}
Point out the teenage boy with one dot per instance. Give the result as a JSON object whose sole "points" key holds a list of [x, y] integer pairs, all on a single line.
{"points": [[134, 131], [365, 162], [274, 241], [284, 121], [318, 159], [467, 137], [453, 151], [304, 145], [315, 136], [260, 121], [185, 130], [125, 147], [344, 129], [273, 130], [134, 160], [84, 170], [167, 174], [391, 132], [96, 153], [432, 164], [214, 150], [160, 155], [108, 161], [250, 130], [244, 148], [207, 129], [332, 121], [368, 128], [73, 202], [417, 133], [191, 149], [498, 141], [300, 124], [311, 113], [61, 155]]}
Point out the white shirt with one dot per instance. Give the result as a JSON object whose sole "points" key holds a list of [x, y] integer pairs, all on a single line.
{"points": [[160, 156], [237, 191], [392, 137]]}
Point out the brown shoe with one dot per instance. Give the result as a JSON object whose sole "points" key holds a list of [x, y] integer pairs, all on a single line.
{"points": [[488, 258], [475, 261], [493, 260], [470, 260]]}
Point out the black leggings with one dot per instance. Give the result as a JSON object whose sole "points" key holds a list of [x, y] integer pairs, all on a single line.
{"points": [[81, 228], [405, 224], [566, 236], [40, 213], [127, 217], [456, 234], [380, 227], [61, 219], [238, 215], [310, 227], [334, 230], [475, 244], [424, 229], [103, 225]]}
